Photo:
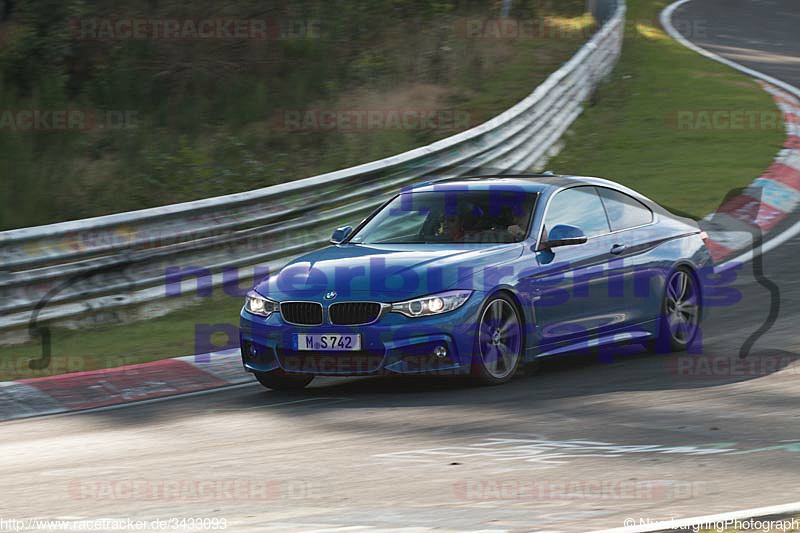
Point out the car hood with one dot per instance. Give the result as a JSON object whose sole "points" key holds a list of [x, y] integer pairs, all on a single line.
{"points": [[385, 272]]}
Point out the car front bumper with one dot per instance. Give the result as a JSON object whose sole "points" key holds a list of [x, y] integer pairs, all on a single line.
{"points": [[394, 344]]}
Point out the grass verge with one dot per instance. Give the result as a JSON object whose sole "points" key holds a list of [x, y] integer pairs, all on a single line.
{"points": [[631, 134]]}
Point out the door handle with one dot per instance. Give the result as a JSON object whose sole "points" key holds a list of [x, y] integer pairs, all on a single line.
{"points": [[618, 249]]}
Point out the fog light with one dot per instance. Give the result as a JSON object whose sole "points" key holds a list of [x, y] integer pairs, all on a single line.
{"points": [[440, 352]]}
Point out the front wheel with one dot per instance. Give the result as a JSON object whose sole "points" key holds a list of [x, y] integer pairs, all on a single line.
{"points": [[499, 341], [283, 382]]}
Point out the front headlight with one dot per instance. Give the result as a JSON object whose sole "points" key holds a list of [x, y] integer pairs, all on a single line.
{"points": [[434, 304], [258, 305]]}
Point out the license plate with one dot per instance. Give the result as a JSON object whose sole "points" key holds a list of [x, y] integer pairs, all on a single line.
{"points": [[328, 342]]}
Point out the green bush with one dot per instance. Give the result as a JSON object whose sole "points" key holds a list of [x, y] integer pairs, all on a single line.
{"points": [[203, 108]]}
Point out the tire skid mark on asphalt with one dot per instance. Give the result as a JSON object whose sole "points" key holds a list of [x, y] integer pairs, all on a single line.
{"points": [[559, 452], [327, 399]]}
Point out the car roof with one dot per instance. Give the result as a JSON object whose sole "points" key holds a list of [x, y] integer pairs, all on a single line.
{"points": [[547, 184], [529, 182]]}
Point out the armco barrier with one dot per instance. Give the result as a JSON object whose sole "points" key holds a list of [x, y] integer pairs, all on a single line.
{"points": [[68, 269]]}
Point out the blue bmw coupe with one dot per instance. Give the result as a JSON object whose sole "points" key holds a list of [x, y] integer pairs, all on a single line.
{"points": [[476, 276]]}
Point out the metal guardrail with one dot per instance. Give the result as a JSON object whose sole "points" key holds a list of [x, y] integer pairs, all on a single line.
{"points": [[121, 259]]}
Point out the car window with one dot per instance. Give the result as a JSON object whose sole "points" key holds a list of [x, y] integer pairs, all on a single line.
{"points": [[451, 216], [624, 211], [404, 226], [581, 207]]}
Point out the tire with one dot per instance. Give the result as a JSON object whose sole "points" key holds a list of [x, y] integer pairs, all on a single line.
{"points": [[498, 341], [283, 382], [681, 310]]}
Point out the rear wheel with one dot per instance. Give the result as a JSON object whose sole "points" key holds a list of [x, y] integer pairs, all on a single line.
{"points": [[283, 382], [499, 341], [680, 320]]}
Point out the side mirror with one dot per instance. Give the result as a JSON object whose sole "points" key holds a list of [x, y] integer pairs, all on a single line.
{"points": [[564, 235], [340, 234]]}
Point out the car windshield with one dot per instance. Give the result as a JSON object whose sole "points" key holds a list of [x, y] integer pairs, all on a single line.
{"points": [[451, 216]]}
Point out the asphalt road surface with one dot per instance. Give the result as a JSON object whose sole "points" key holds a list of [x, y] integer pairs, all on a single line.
{"points": [[629, 439]]}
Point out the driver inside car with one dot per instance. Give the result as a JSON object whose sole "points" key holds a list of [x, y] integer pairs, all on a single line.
{"points": [[519, 223], [453, 227]]}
